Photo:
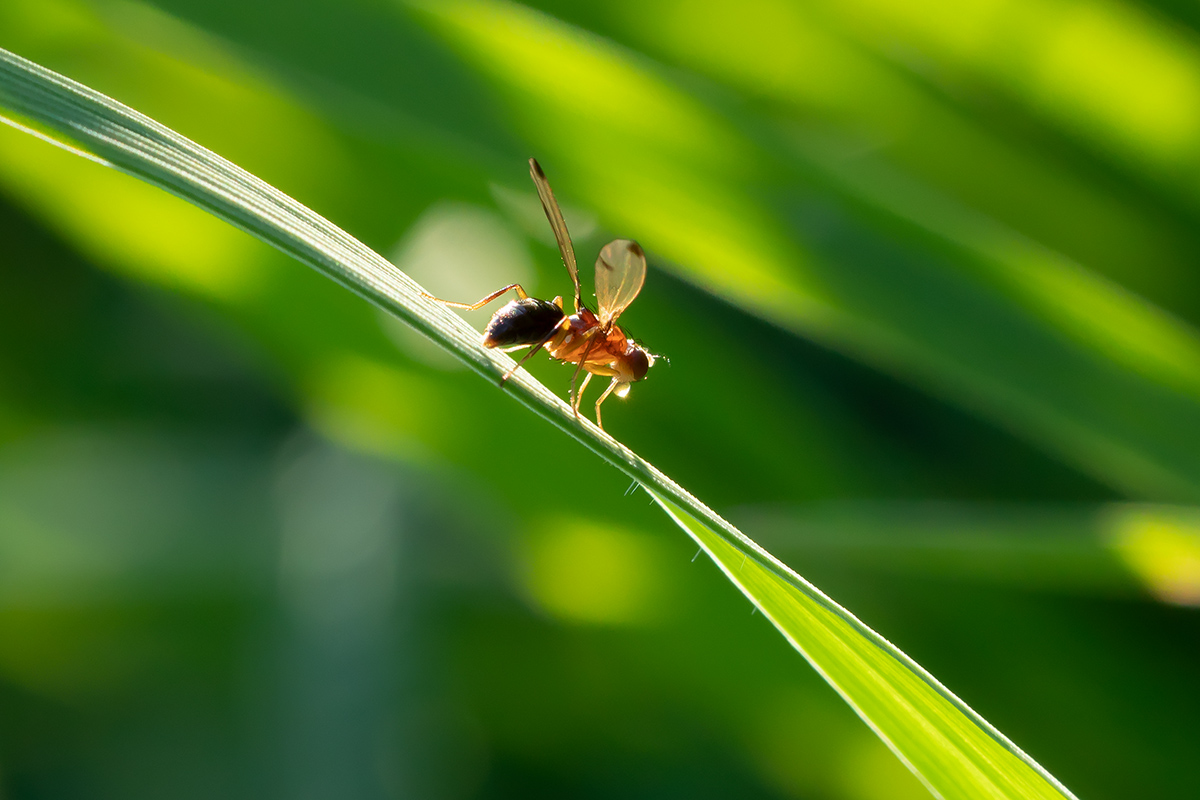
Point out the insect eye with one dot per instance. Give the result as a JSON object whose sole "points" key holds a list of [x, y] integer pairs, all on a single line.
{"points": [[639, 362]]}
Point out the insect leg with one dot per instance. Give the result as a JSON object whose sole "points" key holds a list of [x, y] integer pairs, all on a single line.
{"points": [[586, 352], [475, 307], [579, 397], [504, 378], [604, 397], [529, 355]]}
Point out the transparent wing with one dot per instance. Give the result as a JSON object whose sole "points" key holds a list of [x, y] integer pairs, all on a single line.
{"points": [[620, 273], [557, 223]]}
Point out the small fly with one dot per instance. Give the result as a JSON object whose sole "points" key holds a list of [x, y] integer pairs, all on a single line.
{"points": [[591, 340]]}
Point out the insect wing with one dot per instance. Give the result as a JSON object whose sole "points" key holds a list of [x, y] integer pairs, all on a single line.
{"points": [[620, 273], [557, 223]]}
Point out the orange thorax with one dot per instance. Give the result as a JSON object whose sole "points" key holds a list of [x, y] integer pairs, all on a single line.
{"points": [[603, 350]]}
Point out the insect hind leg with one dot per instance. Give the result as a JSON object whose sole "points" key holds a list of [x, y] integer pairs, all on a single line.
{"points": [[521, 293], [524, 358], [579, 394], [529, 355]]}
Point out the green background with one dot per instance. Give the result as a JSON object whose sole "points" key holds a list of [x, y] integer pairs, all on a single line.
{"points": [[925, 274]]}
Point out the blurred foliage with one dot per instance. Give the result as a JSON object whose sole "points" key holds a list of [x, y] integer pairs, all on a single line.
{"points": [[925, 275]]}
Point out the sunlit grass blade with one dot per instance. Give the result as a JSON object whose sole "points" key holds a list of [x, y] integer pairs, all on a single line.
{"points": [[954, 751]]}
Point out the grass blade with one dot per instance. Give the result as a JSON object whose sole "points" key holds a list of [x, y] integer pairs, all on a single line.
{"points": [[954, 751], [949, 747]]}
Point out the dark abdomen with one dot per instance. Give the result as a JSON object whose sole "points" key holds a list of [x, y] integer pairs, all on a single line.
{"points": [[527, 321]]}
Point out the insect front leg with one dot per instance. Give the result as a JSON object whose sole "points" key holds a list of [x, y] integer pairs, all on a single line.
{"points": [[603, 397], [476, 306], [582, 360]]}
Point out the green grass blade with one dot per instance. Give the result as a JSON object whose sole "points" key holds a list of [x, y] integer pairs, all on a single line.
{"points": [[949, 747], [953, 750]]}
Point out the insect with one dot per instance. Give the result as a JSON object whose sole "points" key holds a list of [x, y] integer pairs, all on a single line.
{"points": [[591, 340]]}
